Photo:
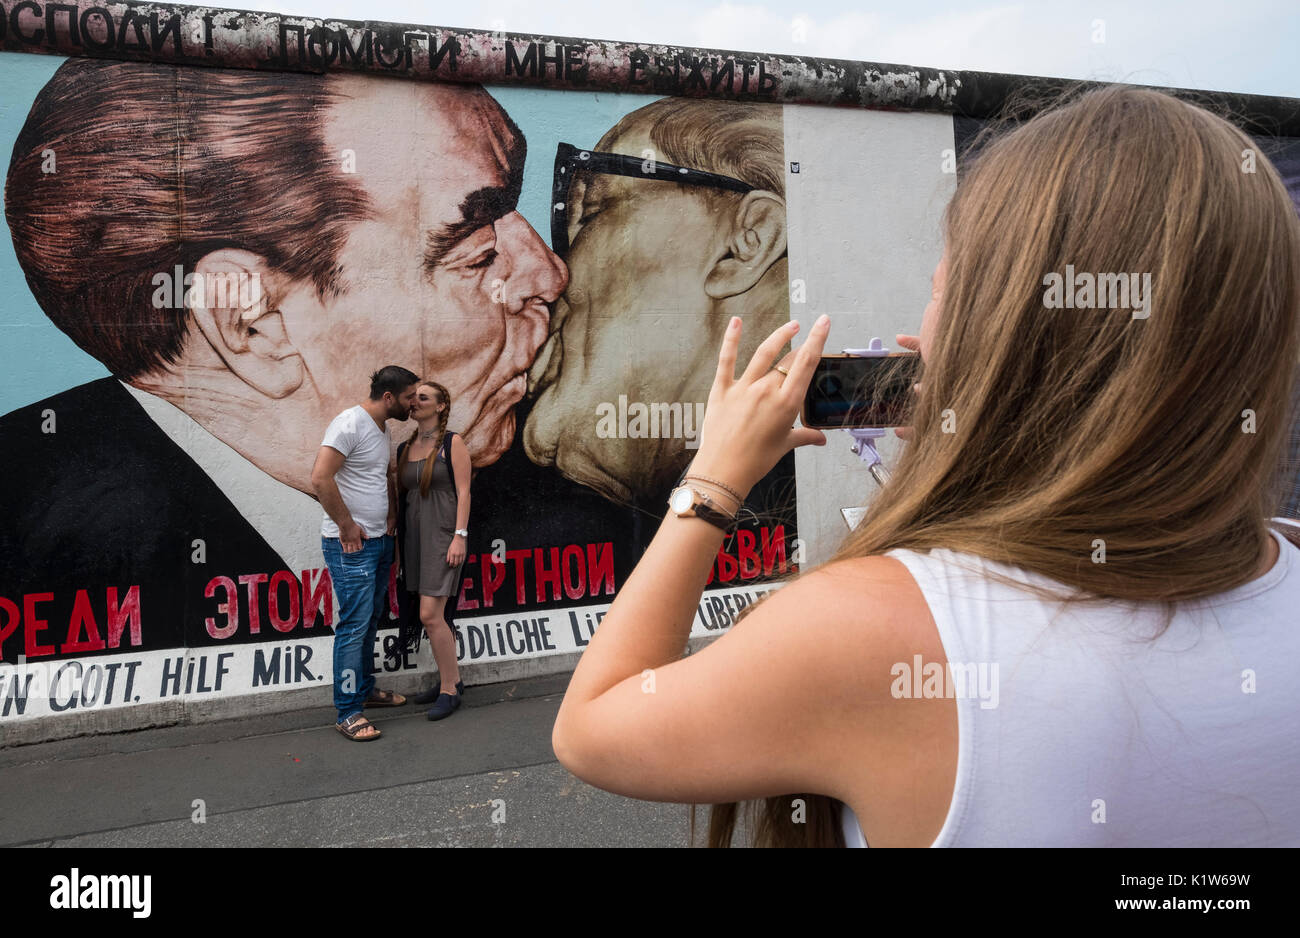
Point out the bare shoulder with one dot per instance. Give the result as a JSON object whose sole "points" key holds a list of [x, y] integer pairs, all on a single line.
{"points": [[797, 695], [898, 755], [883, 582], [866, 609]]}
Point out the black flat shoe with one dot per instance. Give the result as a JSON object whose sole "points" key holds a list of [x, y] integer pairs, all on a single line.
{"points": [[444, 707], [431, 695]]}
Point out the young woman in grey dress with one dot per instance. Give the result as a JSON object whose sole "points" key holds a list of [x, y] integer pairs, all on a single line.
{"points": [[437, 521]]}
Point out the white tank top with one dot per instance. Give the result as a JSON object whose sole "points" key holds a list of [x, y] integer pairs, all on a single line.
{"points": [[1088, 734]]}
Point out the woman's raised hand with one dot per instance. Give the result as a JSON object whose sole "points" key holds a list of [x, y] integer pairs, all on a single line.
{"points": [[748, 422]]}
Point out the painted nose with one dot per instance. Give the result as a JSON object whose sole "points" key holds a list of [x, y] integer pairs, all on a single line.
{"points": [[536, 272]]}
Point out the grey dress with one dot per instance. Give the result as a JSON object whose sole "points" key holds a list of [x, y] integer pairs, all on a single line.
{"points": [[430, 527]]}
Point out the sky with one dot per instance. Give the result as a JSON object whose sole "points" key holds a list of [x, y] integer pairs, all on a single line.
{"points": [[1247, 46]]}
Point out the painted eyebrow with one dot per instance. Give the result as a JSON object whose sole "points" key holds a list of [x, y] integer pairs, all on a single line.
{"points": [[480, 208]]}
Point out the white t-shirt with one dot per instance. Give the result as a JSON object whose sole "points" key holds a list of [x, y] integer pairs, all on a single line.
{"points": [[1093, 736], [363, 480]]}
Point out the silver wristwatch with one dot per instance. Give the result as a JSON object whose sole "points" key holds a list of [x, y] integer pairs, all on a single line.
{"points": [[689, 502], [463, 532]]}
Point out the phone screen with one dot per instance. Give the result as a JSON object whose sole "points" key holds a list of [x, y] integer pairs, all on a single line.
{"points": [[847, 391]]}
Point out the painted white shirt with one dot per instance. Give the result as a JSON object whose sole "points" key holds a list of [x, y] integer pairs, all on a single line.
{"points": [[287, 519]]}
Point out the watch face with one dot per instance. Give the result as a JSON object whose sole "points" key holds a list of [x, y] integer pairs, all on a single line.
{"points": [[681, 499]]}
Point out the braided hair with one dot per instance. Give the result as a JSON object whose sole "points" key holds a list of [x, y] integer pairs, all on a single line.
{"points": [[426, 475]]}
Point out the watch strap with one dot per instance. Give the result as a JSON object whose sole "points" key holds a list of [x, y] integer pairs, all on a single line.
{"points": [[703, 507], [715, 517]]}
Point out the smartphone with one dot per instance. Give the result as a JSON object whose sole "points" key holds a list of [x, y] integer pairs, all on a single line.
{"points": [[847, 391]]}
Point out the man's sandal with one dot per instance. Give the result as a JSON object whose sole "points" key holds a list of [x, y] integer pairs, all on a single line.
{"points": [[385, 698], [355, 725]]}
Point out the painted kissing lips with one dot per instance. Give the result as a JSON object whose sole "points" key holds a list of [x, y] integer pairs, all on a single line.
{"points": [[513, 390], [546, 366], [501, 402]]}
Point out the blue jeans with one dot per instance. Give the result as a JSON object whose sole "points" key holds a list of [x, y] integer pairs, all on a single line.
{"points": [[361, 582]]}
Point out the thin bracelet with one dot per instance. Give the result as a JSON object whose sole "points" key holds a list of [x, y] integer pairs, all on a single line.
{"points": [[722, 485], [718, 491]]}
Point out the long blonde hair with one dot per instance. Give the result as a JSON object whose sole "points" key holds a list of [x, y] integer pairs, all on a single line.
{"points": [[426, 474], [1156, 439]]}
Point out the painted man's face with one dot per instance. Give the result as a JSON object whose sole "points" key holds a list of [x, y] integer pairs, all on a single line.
{"points": [[634, 321], [446, 278]]}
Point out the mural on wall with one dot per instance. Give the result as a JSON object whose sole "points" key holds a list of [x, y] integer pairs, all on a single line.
{"points": [[239, 250], [676, 260], [205, 264]]}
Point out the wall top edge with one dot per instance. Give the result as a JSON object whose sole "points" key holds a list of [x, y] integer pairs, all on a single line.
{"points": [[181, 34]]}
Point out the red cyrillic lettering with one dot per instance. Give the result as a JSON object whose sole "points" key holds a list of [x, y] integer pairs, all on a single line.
{"points": [[278, 622], [463, 601], [727, 566], [313, 599], [519, 556], [34, 625], [546, 577], [230, 608], [600, 568], [10, 625], [83, 620], [748, 556], [492, 575], [772, 549], [576, 585], [118, 616], [254, 614]]}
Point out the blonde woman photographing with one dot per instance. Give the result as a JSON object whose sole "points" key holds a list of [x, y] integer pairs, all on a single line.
{"points": [[433, 476], [1092, 538]]}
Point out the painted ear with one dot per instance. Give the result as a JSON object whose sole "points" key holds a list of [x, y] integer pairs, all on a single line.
{"points": [[756, 240], [231, 304]]}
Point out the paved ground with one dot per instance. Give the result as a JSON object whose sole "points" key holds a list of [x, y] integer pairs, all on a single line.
{"points": [[291, 780]]}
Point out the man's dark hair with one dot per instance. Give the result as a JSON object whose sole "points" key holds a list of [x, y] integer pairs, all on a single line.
{"points": [[158, 165], [391, 379]]}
